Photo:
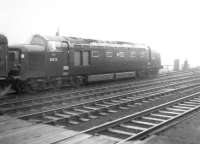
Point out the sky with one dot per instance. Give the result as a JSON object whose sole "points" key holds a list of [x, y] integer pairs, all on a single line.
{"points": [[171, 27]]}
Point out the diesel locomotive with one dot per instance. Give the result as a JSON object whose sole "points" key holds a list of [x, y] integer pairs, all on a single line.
{"points": [[54, 61]]}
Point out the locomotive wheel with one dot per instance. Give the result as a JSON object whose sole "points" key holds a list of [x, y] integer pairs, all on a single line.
{"points": [[19, 86], [40, 86], [32, 86], [58, 83], [77, 81], [141, 74], [29, 88], [155, 72]]}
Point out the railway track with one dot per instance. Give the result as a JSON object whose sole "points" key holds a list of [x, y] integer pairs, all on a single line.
{"points": [[143, 123], [87, 110], [122, 97], [84, 90], [55, 102], [133, 85]]}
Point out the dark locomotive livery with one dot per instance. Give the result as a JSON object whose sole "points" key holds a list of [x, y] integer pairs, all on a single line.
{"points": [[3, 59], [56, 61]]}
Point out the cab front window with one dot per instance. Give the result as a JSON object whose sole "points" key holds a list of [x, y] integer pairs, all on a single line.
{"points": [[37, 41], [57, 45]]}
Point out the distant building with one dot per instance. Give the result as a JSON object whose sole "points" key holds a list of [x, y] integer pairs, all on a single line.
{"points": [[58, 32], [185, 65], [176, 65]]}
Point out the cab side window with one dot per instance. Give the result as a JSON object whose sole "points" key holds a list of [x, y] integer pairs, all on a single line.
{"points": [[95, 54], [120, 54], [13, 56], [133, 54], [77, 58], [109, 54], [86, 58], [81, 58]]}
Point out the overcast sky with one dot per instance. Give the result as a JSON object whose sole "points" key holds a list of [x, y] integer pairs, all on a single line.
{"points": [[172, 27]]}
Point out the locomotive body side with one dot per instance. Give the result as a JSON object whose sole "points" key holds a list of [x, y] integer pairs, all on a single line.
{"points": [[103, 60], [90, 62]]}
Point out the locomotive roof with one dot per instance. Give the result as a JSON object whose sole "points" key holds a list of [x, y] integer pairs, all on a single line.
{"points": [[92, 42], [3, 39], [54, 38], [28, 48]]}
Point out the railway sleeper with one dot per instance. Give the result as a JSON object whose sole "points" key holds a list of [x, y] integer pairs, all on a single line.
{"points": [[112, 111], [189, 104], [62, 115], [54, 118], [113, 130], [153, 119], [133, 127], [81, 110], [71, 112], [73, 122], [103, 113], [144, 123], [161, 115], [115, 134], [91, 107], [84, 119], [175, 110]]}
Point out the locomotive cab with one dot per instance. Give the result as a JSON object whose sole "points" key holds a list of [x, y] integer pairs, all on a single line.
{"points": [[38, 65], [14, 62], [57, 58], [23, 63]]}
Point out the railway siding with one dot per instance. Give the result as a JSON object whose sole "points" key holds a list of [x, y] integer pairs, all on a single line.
{"points": [[55, 102], [143, 123], [102, 115]]}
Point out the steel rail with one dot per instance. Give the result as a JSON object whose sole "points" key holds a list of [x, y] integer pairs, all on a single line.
{"points": [[89, 90], [67, 99], [174, 108], [112, 108], [117, 97]]}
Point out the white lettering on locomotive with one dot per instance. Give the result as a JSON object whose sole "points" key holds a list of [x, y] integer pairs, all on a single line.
{"points": [[120, 54], [65, 67], [53, 59]]}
